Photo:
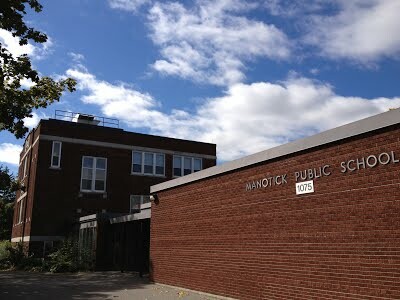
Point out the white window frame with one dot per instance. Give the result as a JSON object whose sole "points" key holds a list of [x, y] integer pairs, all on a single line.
{"points": [[52, 155], [154, 154], [142, 205], [25, 166], [93, 179], [21, 206], [182, 158]]}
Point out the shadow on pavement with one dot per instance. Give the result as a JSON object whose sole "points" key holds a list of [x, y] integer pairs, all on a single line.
{"points": [[96, 285]]}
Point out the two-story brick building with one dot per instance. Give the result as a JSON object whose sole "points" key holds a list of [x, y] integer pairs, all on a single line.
{"points": [[83, 166]]}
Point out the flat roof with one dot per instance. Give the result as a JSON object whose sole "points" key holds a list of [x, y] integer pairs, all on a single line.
{"points": [[375, 122]]}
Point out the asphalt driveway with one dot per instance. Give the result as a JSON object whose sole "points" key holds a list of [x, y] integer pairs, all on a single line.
{"points": [[97, 285]]}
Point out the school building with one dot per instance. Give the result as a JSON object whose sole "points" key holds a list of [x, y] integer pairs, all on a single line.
{"points": [[317, 218]]}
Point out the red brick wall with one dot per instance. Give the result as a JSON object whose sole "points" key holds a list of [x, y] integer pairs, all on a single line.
{"points": [[24, 228], [340, 242], [53, 195]]}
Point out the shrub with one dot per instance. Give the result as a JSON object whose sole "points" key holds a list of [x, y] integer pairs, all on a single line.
{"points": [[70, 258], [4, 254]]}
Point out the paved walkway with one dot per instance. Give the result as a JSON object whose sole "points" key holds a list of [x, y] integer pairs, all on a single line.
{"points": [[97, 285]]}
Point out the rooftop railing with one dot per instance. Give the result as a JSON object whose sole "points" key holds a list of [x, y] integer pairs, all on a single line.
{"points": [[85, 118]]}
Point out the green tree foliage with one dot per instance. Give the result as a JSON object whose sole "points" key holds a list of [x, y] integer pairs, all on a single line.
{"points": [[17, 102], [7, 197]]}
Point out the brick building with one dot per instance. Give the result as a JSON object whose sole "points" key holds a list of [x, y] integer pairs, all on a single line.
{"points": [[318, 218], [77, 168]]}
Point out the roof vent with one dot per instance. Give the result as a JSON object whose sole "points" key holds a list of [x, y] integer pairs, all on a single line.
{"points": [[86, 119]]}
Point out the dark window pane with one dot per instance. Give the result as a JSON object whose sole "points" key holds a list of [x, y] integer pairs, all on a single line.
{"points": [[135, 203], [148, 169], [187, 164], [86, 184], [99, 185], [101, 163], [88, 162], [177, 172], [146, 199], [159, 170], [55, 161], [137, 168]]}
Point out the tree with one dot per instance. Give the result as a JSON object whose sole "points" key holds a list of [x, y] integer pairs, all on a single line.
{"points": [[16, 102], [7, 197]]}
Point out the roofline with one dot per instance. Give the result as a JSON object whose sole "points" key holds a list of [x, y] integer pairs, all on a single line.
{"points": [[127, 131], [369, 124]]}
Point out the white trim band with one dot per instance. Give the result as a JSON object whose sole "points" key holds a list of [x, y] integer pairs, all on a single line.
{"points": [[46, 137], [37, 238], [22, 196]]}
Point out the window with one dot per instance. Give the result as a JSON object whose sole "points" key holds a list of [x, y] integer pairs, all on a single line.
{"points": [[21, 208], [148, 163], [93, 177], [138, 202], [177, 166], [25, 162], [56, 155], [136, 162], [183, 165]]}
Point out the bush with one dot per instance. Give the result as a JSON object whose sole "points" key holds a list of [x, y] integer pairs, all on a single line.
{"points": [[4, 254], [70, 258], [66, 258]]}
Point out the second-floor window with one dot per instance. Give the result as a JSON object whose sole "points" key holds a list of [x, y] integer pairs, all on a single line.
{"points": [[94, 173], [148, 163], [184, 165], [25, 162], [56, 155]]}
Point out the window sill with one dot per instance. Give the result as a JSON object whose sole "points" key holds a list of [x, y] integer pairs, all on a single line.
{"points": [[149, 175], [55, 168], [93, 192]]}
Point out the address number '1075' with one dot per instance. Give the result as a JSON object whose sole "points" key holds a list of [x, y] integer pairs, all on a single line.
{"points": [[305, 187]]}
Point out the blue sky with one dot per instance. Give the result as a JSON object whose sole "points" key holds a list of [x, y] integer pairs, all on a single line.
{"points": [[245, 75]]}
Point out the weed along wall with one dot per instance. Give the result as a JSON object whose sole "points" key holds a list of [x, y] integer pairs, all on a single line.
{"points": [[318, 218]]}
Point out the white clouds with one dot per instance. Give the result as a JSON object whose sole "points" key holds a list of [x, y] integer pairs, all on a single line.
{"points": [[9, 153], [363, 31], [211, 41], [12, 44], [32, 121], [246, 119], [76, 57], [128, 5], [35, 52], [115, 100]]}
